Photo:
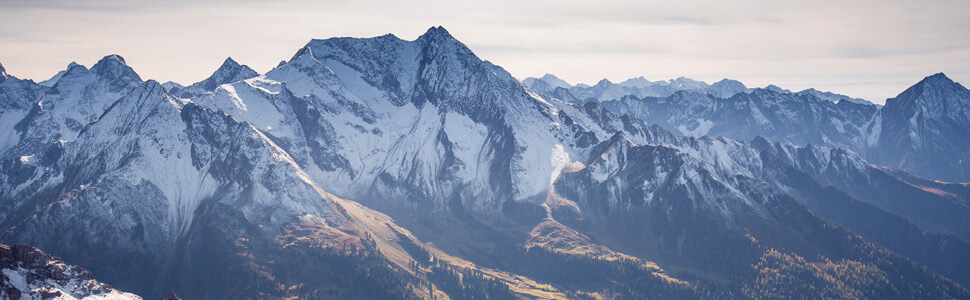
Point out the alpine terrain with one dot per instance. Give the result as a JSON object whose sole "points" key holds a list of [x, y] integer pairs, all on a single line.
{"points": [[385, 168]]}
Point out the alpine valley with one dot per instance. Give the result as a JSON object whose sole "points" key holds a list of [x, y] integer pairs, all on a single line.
{"points": [[382, 168]]}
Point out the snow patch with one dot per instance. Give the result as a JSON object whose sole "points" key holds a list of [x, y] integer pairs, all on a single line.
{"points": [[8, 136], [560, 161], [468, 140], [702, 128]]}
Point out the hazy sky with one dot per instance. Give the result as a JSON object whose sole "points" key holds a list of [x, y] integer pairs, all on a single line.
{"points": [[869, 49]]}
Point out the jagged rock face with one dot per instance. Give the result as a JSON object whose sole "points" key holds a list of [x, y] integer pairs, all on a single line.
{"points": [[926, 130], [29, 273]]}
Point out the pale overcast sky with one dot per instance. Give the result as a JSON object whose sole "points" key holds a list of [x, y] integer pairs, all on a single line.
{"points": [[871, 49]]}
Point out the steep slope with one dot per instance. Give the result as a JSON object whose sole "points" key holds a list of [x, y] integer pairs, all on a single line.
{"points": [[29, 273], [926, 130]]}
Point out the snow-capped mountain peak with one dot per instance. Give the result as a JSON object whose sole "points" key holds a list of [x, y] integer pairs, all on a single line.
{"points": [[926, 130], [53, 80], [687, 84], [931, 87], [636, 82], [436, 33], [114, 68], [776, 89], [546, 84], [725, 83], [938, 78], [3, 73], [440, 38], [230, 71], [78, 98], [229, 63], [554, 81], [936, 95], [111, 64]]}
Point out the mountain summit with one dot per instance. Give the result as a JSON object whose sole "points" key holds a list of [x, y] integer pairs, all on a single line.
{"points": [[53, 80], [926, 129], [437, 33], [555, 81], [230, 71], [113, 66], [936, 94]]}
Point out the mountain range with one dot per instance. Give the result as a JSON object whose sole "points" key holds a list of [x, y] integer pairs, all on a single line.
{"points": [[640, 87], [923, 130], [386, 168]]}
